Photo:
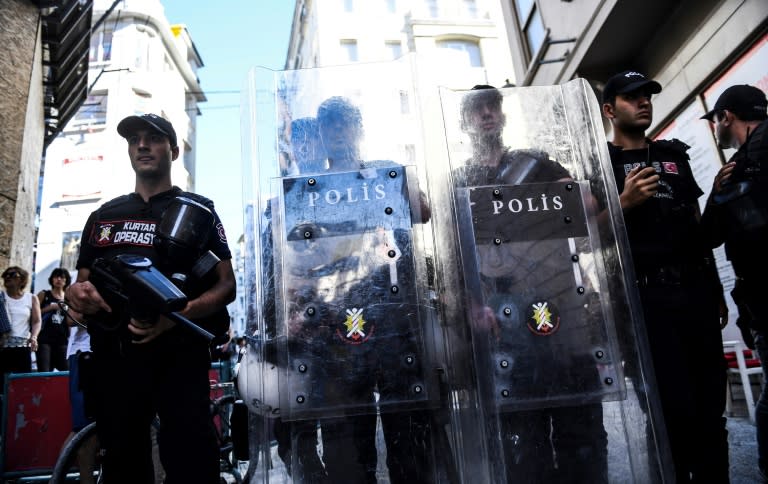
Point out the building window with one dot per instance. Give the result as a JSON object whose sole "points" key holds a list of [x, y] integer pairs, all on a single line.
{"points": [[94, 109], [350, 50], [349, 5], [531, 25], [469, 48], [70, 247], [432, 8], [410, 153], [405, 104], [470, 8], [101, 46], [142, 51], [391, 6], [394, 49], [167, 64]]}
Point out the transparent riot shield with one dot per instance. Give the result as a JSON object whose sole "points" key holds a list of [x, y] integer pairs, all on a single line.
{"points": [[349, 298], [533, 258], [342, 372]]}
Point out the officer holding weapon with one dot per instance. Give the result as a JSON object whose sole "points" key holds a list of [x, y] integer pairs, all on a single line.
{"points": [[146, 363]]}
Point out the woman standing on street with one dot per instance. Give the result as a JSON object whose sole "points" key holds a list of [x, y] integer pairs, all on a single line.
{"points": [[23, 310], [52, 341]]}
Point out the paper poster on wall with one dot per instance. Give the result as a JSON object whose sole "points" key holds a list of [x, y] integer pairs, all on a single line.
{"points": [[751, 69], [82, 177]]}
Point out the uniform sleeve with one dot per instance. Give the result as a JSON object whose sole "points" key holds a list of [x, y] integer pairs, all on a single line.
{"points": [[693, 191], [218, 241], [87, 253]]}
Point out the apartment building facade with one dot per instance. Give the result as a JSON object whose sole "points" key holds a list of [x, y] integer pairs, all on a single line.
{"points": [[138, 63], [464, 33]]}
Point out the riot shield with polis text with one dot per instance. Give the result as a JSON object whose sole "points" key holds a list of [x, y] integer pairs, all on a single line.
{"points": [[348, 295], [530, 256], [533, 258], [343, 377]]}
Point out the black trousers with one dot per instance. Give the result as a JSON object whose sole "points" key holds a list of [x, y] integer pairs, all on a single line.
{"points": [[167, 378], [349, 448], [562, 444], [15, 360], [52, 356], [687, 352]]}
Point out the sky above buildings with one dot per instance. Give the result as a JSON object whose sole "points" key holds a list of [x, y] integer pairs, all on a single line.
{"points": [[231, 36]]}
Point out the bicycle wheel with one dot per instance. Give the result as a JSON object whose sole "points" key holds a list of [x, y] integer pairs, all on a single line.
{"points": [[68, 457], [221, 411]]}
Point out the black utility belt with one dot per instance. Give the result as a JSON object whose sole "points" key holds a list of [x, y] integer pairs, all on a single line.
{"points": [[672, 275]]}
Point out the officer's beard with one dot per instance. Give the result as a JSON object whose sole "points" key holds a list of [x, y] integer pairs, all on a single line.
{"points": [[725, 138], [486, 146]]}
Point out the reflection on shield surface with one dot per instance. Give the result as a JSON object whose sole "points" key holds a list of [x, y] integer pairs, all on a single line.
{"points": [[350, 299], [438, 284], [533, 253]]}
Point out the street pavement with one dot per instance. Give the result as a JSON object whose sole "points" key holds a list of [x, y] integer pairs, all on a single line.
{"points": [[743, 451], [741, 440]]}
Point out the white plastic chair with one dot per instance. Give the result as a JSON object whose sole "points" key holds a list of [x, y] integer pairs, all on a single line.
{"points": [[744, 372]]}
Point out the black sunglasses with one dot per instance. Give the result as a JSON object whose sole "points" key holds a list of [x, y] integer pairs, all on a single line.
{"points": [[10, 275]]}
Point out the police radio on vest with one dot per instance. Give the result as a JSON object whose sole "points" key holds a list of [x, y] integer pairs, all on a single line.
{"points": [[350, 195]]}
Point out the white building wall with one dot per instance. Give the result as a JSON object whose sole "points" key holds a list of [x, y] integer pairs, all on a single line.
{"points": [[88, 163], [316, 39]]}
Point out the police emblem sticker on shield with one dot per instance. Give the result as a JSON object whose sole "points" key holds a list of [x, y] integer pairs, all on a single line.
{"points": [[543, 318]]}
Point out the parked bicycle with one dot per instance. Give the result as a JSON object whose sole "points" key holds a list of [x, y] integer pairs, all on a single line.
{"points": [[222, 408]]}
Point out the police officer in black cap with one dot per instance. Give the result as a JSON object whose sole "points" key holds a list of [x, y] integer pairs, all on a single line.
{"points": [[147, 367], [737, 215], [679, 287]]}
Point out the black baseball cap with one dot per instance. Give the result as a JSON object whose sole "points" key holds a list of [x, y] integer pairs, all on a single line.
{"points": [[628, 81], [128, 126], [745, 101]]}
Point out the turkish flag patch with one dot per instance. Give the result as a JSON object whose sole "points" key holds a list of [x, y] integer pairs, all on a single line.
{"points": [[670, 167]]}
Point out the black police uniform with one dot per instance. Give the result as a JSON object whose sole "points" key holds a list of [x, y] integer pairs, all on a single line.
{"points": [[132, 383], [738, 216], [680, 293], [533, 439]]}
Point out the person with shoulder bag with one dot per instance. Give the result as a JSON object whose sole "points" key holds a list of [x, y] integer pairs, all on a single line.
{"points": [[54, 332], [23, 312]]}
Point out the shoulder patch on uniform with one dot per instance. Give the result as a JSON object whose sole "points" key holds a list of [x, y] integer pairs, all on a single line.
{"points": [[673, 144]]}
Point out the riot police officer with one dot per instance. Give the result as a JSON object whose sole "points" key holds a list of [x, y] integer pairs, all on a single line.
{"points": [[349, 313], [737, 215], [146, 366], [545, 437], [679, 287]]}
